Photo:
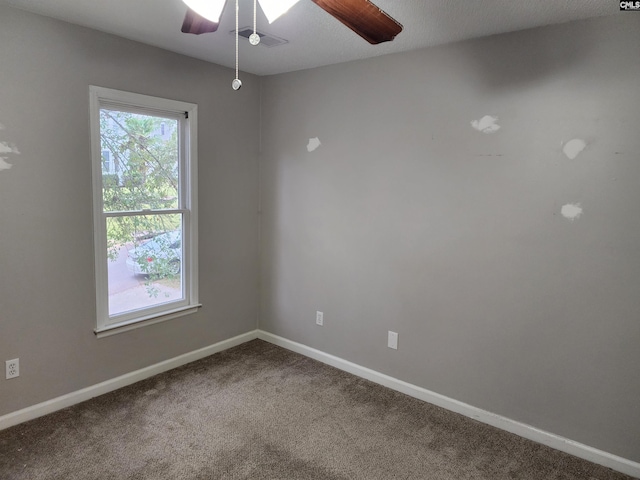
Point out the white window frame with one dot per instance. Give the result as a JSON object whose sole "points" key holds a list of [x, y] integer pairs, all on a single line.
{"points": [[187, 115]]}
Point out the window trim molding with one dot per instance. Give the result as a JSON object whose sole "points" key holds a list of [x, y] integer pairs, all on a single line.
{"points": [[100, 97], [115, 328]]}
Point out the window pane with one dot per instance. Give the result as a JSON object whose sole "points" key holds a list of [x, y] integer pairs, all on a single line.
{"points": [[141, 168], [144, 261]]}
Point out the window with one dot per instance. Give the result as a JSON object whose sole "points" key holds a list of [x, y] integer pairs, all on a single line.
{"points": [[145, 215]]}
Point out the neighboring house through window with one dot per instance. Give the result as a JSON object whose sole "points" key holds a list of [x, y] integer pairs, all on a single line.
{"points": [[107, 164], [145, 213]]}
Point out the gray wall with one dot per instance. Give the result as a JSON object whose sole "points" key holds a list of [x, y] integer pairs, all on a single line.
{"points": [[406, 218], [47, 293]]}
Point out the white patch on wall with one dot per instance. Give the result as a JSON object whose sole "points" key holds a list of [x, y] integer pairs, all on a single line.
{"points": [[6, 148], [313, 144], [486, 124], [571, 211], [573, 148]]}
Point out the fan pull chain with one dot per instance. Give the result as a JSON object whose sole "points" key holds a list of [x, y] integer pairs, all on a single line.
{"points": [[254, 38], [236, 84]]}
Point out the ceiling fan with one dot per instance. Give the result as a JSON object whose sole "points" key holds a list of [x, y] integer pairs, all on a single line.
{"points": [[361, 16]]}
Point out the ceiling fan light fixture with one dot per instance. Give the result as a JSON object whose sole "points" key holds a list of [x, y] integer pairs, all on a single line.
{"points": [[209, 9], [273, 9]]}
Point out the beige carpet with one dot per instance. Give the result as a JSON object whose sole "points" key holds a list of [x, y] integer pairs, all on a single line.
{"points": [[258, 411]]}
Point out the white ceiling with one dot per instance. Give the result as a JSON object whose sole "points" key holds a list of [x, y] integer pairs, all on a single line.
{"points": [[315, 38]]}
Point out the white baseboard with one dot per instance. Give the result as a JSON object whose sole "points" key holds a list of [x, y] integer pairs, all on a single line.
{"points": [[78, 396], [521, 429]]}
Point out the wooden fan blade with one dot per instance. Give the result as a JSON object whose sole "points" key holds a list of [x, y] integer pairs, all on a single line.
{"points": [[197, 24], [364, 18]]}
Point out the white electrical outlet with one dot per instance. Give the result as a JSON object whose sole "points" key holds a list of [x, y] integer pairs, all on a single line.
{"points": [[392, 341], [13, 368], [319, 318]]}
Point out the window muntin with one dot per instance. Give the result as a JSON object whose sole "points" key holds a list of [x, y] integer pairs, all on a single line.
{"points": [[144, 207]]}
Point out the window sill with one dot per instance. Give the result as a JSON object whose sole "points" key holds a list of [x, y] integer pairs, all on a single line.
{"points": [[122, 327]]}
